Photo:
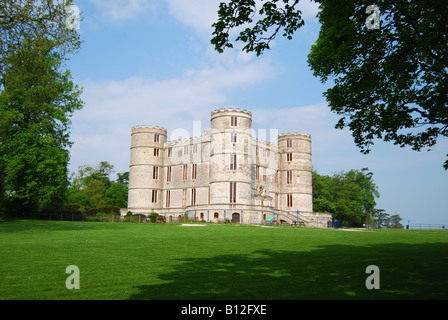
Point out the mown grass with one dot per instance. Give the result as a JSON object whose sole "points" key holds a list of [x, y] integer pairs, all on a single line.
{"points": [[147, 261]]}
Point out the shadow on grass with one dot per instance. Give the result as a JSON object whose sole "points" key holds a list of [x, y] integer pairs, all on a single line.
{"points": [[327, 272]]}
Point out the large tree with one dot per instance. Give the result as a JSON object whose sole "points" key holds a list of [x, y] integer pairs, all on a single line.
{"points": [[349, 196], [390, 83], [37, 99]]}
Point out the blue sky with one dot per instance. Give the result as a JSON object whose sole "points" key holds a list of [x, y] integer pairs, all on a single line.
{"points": [[150, 62]]}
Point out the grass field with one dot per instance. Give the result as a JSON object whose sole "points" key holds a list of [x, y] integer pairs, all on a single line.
{"points": [[147, 261]]}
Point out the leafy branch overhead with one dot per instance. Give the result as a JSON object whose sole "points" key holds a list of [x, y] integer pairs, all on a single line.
{"points": [[272, 17], [389, 83]]}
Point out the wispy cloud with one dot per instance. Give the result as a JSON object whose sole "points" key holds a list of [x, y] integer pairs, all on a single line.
{"points": [[119, 10]]}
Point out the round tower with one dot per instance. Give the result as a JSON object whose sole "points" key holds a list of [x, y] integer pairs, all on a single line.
{"points": [[146, 169], [230, 157], [296, 172]]}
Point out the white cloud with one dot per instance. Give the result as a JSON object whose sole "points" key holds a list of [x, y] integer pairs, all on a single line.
{"points": [[199, 14], [102, 128], [118, 10]]}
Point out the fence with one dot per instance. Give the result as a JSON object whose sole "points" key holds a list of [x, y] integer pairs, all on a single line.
{"points": [[97, 218], [427, 226]]}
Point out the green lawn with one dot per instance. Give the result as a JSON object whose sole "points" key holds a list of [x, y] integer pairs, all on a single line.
{"points": [[146, 261]]}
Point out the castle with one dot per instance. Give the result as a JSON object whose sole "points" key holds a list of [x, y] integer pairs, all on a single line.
{"points": [[224, 175]]}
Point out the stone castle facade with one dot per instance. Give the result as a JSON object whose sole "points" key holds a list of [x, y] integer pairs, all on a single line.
{"points": [[226, 174]]}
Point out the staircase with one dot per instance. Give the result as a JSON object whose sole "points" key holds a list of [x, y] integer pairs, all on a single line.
{"points": [[315, 220]]}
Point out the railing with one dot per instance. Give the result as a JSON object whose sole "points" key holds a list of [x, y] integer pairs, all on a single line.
{"points": [[97, 218], [428, 226]]}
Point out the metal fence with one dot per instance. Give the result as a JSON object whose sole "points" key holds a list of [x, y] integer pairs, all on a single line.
{"points": [[428, 226], [97, 218]]}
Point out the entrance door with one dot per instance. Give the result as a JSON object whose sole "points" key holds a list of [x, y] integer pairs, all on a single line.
{"points": [[236, 217]]}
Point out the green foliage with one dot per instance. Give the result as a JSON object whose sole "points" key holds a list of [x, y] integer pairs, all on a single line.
{"points": [[389, 83], [37, 100], [30, 21], [36, 104], [274, 16], [384, 220], [349, 196], [153, 217], [92, 187]]}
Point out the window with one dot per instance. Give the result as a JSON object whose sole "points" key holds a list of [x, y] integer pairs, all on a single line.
{"points": [[265, 178], [193, 196], [184, 172], [289, 156], [184, 198], [233, 121], [276, 201], [155, 173], [156, 152], [216, 215], [257, 172], [289, 200], [233, 162], [154, 196], [232, 192], [185, 149], [195, 148], [168, 153], [156, 137], [289, 177], [168, 198], [233, 137], [276, 177], [168, 174], [289, 143], [194, 170]]}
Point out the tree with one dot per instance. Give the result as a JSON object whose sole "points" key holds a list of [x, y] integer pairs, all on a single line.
{"points": [[273, 18], [92, 187], [117, 195], [323, 200], [37, 99], [30, 20], [36, 104], [349, 196], [382, 218], [395, 222], [389, 83]]}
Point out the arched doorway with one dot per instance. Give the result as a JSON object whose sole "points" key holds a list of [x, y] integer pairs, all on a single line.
{"points": [[236, 217]]}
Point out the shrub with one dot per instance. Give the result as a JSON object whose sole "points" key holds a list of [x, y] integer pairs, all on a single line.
{"points": [[153, 217]]}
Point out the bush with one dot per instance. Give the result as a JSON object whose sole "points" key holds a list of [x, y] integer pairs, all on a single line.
{"points": [[153, 217]]}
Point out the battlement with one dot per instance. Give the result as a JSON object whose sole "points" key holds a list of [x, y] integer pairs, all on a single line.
{"points": [[294, 135], [230, 111], [149, 129]]}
